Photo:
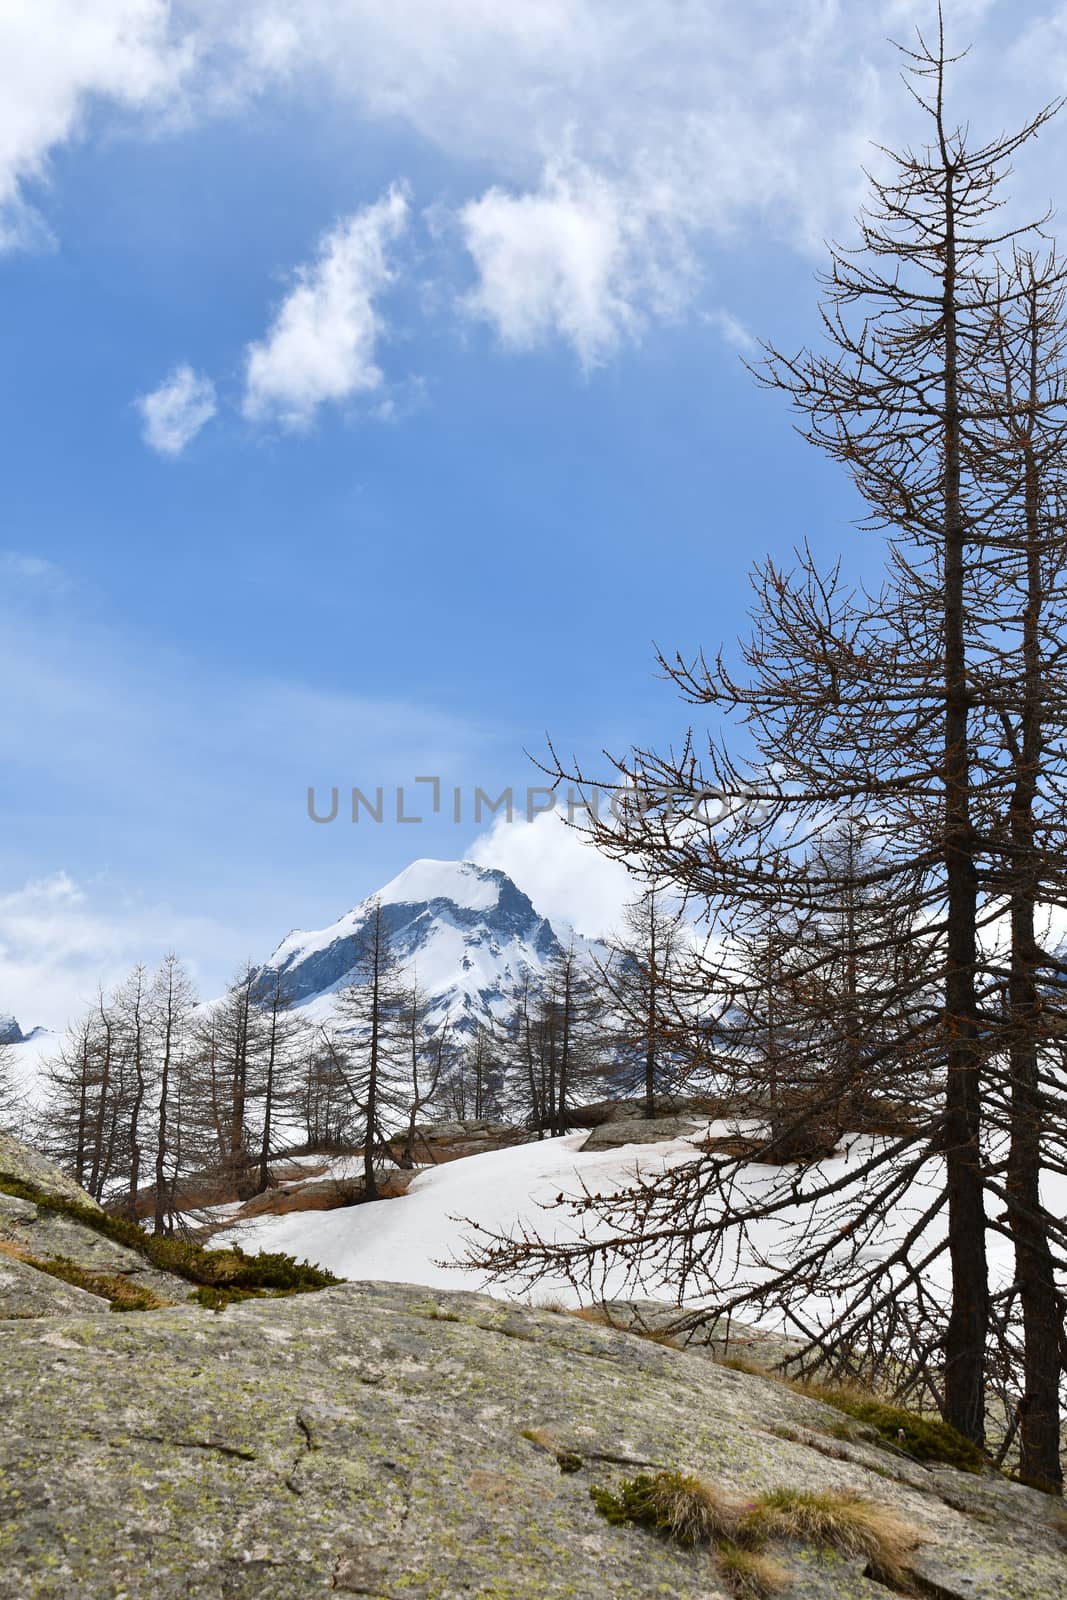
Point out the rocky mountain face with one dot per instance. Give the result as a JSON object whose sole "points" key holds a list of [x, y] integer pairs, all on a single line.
{"points": [[10, 1032], [391, 1441], [468, 932]]}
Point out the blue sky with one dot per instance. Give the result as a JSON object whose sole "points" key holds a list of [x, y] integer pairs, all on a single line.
{"points": [[371, 401]]}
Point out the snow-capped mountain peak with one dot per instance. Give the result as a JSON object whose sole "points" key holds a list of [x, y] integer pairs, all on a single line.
{"points": [[468, 933]]}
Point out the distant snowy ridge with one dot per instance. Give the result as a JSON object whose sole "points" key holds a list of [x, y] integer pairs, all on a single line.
{"points": [[11, 1033], [29, 1053], [468, 934]]}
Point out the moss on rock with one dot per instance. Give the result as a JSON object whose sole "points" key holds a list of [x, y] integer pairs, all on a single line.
{"points": [[229, 1269]]}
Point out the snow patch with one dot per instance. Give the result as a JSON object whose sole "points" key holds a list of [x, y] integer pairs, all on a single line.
{"points": [[474, 888]]}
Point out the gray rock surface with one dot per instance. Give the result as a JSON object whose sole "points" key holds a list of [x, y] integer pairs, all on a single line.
{"points": [[642, 1130], [18, 1160], [51, 1237], [25, 1292], [31, 1230], [452, 1141], [373, 1439]]}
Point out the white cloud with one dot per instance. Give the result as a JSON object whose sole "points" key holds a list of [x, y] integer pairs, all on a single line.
{"points": [[574, 257], [626, 137], [323, 341], [58, 57], [565, 877], [60, 940], [174, 413]]}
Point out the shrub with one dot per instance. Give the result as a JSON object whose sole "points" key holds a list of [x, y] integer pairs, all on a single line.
{"points": [[213, 1299]]}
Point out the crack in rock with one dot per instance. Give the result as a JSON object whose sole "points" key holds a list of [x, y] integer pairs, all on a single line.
{"points": [[237, 1452], [306, 1448]]}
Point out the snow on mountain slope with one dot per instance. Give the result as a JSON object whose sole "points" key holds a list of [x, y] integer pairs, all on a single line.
{"points": [[467, 932]]}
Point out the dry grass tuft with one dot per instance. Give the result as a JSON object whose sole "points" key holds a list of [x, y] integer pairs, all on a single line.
{"points": [[743, 1364], [844, 1521], [601, 1317], [541, 1437], [566, 1460], [748, 1574], [657, 1336], [677, 1505]]}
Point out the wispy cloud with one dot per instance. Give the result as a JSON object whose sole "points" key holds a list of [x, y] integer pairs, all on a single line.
{"points": [[626, 139], [182, 778], [174, 414], [322, 345], [733, 330], [36, 572]]}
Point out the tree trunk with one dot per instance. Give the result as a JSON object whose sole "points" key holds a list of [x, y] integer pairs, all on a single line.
{"points": [[1039, 1422], [968, 1324]]}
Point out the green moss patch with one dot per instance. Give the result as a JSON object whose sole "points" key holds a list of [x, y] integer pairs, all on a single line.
{"points": [[229, 1269], [113, 1287], [680, 1507], [922, 1438]]}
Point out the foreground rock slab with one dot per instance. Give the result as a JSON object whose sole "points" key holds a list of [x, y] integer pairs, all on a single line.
{"points": [[375, 1439]]}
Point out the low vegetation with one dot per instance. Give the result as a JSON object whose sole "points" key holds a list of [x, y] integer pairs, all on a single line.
{"points": [[601, 1317], [230, 1273], [698, 1515], [679, 1506], [923, 1438], [113, 1287], [749, 1574], [839, 1520]]}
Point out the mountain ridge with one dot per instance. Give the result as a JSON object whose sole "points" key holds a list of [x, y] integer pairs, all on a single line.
{"points": [[469, 933]]}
